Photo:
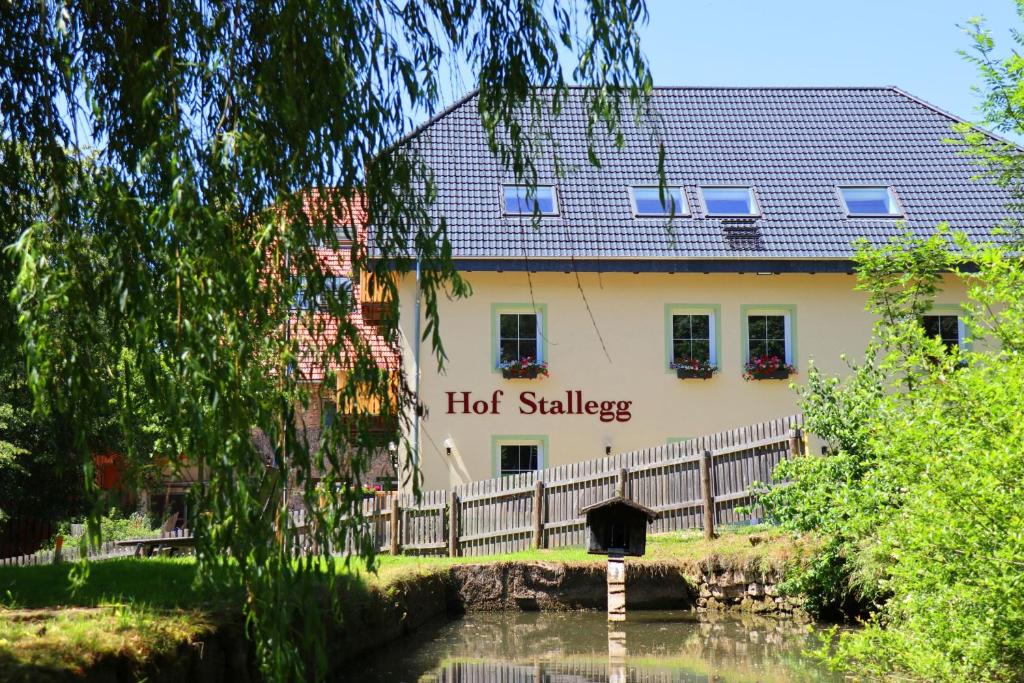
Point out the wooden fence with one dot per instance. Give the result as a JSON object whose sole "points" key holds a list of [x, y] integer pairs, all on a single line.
{"points": [[70, 552], [541, 509], [698, 483]]}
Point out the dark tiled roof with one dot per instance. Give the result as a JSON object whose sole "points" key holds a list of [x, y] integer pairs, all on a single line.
{"points": [[793, 145]]}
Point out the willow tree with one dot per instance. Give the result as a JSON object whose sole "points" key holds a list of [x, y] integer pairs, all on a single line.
{"points": [[178, 146]]}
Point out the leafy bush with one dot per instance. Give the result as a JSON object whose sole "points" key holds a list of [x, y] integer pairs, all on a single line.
{"points": [[920, 501], [114, 527], [826, 496]]}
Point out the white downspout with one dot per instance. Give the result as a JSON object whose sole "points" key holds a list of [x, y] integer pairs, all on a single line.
{"points": [[416, 378]]}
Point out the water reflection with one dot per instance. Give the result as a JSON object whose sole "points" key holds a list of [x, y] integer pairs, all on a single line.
{"points": [[582, 648]]}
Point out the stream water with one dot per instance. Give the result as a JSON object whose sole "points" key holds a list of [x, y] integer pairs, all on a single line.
{"points": [[580, 647]]}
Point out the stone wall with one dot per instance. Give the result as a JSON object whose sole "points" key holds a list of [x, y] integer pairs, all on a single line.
{"points": [[743, 588], [550, 586]]}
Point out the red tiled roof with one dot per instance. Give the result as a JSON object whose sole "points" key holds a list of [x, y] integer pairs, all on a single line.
{"points": [[339, 262], [310, 366]]}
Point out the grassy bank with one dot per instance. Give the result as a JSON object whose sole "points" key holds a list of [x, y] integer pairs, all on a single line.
{"points": [[755, 547], [127, 607], [138, 608]]}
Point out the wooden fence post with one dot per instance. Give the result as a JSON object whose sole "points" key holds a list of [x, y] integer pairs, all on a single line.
{"points": [[620, 484], [453, 524], [395, 527], [707, 493], [794, 442], [538, 514]]}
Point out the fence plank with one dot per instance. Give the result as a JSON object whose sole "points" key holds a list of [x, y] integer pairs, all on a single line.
{"points": [[394, 526]]}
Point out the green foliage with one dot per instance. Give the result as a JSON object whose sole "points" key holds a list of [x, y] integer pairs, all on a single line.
{"points": [[920, 502], [1002, 91], [38, 478], [827, 496], [40, 475], [114, 526], [192, 154]]}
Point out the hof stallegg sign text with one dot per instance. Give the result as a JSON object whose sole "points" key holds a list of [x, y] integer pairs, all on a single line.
{"points": [[463, 403]]}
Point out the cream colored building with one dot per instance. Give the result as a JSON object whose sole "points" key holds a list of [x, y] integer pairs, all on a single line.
{"points": [[769, 189]]}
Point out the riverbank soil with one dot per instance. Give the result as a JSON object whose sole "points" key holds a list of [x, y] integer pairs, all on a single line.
{"points": [[146, 617]]}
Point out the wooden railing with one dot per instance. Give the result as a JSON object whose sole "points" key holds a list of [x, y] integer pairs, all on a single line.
{"points": [[541, 509]]}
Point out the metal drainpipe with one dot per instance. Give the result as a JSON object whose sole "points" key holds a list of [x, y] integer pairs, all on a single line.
{"points": [[416, 377]]}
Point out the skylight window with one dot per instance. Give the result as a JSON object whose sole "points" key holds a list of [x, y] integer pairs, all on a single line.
{"points": [[520, 201], [870, 201], [729, 201], [653, 201]]}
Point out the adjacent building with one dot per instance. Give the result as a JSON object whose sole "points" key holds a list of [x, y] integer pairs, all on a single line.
{"points": [[609, 314]]}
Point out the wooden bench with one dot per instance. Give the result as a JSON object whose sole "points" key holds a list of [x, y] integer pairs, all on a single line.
{"points": [[163, 544]]}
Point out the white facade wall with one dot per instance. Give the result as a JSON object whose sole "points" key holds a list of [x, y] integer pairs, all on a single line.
{"points": [[631, 370]]}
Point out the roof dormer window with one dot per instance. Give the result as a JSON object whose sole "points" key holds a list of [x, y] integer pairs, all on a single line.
{"points": [[658, 201], [522, 200], [735, 201], [877, 201]]}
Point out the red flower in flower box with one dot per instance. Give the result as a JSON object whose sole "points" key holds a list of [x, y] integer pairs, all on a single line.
{"points": [[693, 368], [767, 367], [524, 368]]}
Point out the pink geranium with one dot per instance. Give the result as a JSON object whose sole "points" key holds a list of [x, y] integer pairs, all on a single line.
{"points": [[761, 366]]}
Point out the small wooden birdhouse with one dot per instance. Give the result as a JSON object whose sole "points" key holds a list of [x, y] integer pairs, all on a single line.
{"points": [[618, 526]]}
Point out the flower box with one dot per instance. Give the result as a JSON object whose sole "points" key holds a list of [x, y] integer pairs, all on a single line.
{"points": [[692, 373], [524, 368], [781, 373], [520, 373], [767, 367], [693, 368]]}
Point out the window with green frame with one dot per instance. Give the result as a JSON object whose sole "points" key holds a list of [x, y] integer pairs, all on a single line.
{"points": [[768, 335], [517, 458], [517, 337], [693, 337], [946, 326]]}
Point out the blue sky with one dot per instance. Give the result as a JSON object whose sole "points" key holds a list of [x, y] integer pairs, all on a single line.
{"points": [[912, 44], [909, 43]]}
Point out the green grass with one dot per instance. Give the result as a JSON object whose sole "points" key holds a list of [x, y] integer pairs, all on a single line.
{"points": [[130, 608], [135, 608], [36, 644], [169, 583], [159, 583]]}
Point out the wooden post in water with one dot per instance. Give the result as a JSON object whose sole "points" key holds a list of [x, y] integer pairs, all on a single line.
{"points": [[707, 494], [395, 527], [538, 514], [453, 525], [616, 587], [616, 655], [617, 565]]}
